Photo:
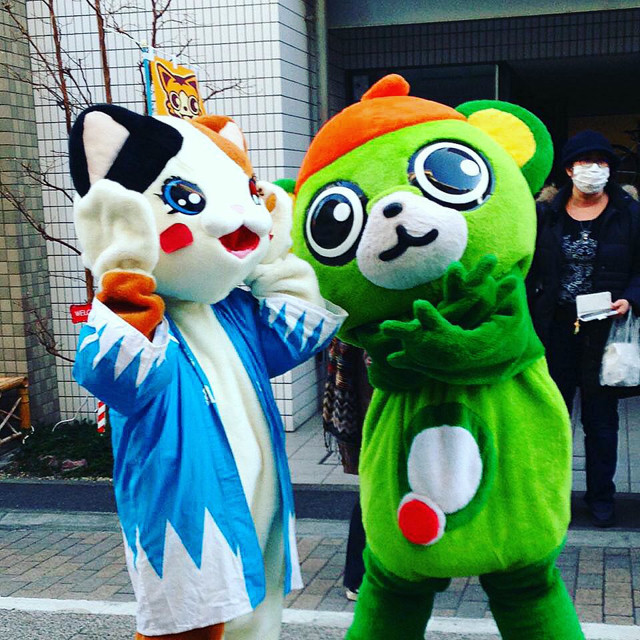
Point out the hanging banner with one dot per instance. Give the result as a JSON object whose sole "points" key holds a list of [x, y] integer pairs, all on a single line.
{"points": [[175, 89]]}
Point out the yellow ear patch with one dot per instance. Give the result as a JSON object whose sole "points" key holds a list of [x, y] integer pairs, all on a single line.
{"points": [[508, 131]]}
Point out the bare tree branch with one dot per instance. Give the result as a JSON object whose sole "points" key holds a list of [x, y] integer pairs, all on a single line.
{"points": [[83, 89], [61, 78], [62, 82], [54, 74], [158, 10], [64, 276], [114, 26], [102, 43], [20, 206], [213, 91], [54, 97], [40, 330], [41, 177], [184, 47]]}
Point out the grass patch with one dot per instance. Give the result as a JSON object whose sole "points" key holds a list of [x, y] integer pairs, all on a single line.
{"points": [[45, 451]]}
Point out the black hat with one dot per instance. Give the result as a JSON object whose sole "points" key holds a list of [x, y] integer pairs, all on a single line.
{"points": [[586, 142]]}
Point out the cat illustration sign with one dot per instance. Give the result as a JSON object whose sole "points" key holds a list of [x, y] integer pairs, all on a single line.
{"points": [[176, 90]]}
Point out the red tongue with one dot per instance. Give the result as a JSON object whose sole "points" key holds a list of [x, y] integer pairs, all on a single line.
{"points": [[241, 242]]}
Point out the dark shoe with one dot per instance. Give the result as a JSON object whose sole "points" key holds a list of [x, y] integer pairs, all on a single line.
{"points": [[603, 516]]}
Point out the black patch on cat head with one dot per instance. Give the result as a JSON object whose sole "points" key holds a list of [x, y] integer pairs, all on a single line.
{"points": [[150, 145]]}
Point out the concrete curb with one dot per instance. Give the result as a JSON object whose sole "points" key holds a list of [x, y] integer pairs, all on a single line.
{"points": [[332, 502], [469, 627]]}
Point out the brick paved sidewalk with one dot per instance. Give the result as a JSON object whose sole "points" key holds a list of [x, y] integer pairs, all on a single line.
{"points": [[79, 556], [601, 571]]}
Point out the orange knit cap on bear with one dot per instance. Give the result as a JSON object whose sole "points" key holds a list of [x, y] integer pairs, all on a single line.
{"points": [[385, 107]]}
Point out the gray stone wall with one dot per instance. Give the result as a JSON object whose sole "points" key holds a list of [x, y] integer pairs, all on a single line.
{"points": [[24, 285]]}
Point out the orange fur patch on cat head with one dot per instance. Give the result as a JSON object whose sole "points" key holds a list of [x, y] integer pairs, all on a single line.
{"points": [[227, 135]]}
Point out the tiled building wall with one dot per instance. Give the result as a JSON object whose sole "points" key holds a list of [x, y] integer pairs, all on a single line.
{"points": [[66, 274], [298, 392], [258, 53], [25, 302], [297, 72], [480, 41]]}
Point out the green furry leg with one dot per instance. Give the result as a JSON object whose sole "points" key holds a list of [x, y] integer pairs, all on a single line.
{"points": [[390, 608], [532, 603]]}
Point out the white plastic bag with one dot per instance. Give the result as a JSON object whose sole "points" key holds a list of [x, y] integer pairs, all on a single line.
{"points": [[621, 358]]}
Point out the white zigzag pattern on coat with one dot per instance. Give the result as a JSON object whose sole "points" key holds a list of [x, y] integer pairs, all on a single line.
{"points": [[313, 316], [110, 328], [296, 576], [181, 599]]}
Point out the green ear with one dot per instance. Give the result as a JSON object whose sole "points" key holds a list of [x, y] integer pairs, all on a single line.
{"points": [[521, 134], [287, 184]]}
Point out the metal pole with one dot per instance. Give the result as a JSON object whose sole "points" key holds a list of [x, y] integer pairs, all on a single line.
{"points": [[323, 61]]}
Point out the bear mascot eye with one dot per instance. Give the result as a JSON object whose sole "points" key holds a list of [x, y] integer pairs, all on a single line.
{"points": [[334, 223], [452, 174]]}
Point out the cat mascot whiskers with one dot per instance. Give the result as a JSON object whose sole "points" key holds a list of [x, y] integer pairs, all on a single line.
{"points": [[172, 221]]}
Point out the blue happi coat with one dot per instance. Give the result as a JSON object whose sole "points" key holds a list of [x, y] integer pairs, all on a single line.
{"points": [[184, 515]]}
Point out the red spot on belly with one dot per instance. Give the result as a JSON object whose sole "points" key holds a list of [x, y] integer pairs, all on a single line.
{"points": [[418, 522], [240, 242], [177, 236]]}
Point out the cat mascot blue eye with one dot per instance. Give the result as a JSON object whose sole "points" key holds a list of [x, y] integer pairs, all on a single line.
{"points": [[183, 196]]}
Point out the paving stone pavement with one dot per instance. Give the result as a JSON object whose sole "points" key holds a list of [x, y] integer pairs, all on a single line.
{"points": [[80, 557]]}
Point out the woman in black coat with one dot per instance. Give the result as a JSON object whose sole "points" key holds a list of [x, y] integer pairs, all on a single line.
{"points": [[588, 241]]}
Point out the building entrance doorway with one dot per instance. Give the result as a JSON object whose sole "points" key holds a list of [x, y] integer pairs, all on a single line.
{"points": [[572, 94]]}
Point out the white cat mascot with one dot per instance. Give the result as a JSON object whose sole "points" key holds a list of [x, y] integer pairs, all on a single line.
{"points": [[171, 221]]}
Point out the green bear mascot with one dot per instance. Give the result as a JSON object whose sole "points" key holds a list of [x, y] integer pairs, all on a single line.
{"points": [[419, 220]]}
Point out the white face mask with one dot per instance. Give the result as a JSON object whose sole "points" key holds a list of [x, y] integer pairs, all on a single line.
{"points": [[590, 178]]}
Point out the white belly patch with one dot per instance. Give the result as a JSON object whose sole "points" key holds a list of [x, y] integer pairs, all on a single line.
{"points": [[444, 471], [445, 464]]}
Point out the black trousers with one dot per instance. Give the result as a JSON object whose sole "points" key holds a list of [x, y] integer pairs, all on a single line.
{"points": [[354, 564], [571, 365]]}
